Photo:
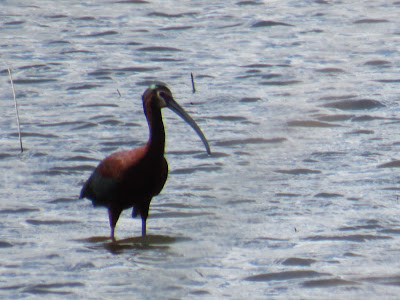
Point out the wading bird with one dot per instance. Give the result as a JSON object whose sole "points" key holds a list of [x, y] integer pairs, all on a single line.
{"points": [[132, 178]]}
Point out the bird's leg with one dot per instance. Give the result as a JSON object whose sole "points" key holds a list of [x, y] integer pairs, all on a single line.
{"points": [[113, 215], [112, 235], [144, 213], [144, 226], [134, 212]]}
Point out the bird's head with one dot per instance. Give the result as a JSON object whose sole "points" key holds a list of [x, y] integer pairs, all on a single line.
{"points": [[161, 96]]}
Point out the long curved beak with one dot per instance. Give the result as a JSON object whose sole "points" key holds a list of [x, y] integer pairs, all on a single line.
{"points": [[175, 107]]}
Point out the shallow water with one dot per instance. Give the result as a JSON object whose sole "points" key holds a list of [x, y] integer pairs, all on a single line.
{"points": [[299, 102]]}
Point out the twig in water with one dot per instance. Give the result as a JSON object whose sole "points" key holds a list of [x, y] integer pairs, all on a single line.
{"points": [[16, 110], [193, 87], [119, 92]]}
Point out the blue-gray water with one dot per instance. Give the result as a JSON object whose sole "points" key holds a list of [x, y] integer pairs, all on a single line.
{"points": [[299, 101]]}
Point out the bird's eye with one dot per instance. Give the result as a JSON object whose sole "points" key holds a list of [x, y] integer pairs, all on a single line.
{"points": [[163, 98]]}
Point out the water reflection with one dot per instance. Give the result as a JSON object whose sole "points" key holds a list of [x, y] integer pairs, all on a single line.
{"points": [[130, 245]]}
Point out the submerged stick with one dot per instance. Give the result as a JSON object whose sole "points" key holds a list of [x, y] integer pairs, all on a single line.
{"points": [[16, 110], [193, 87]]}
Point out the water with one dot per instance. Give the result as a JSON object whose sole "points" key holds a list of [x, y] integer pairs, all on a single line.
{"points": [[299, 101]]}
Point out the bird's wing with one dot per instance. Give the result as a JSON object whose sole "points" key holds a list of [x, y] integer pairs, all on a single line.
{"points": [[115, 165], [104, 183]]}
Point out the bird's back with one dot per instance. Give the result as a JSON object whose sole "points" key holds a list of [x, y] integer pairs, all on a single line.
{"points": [[127, 178]]}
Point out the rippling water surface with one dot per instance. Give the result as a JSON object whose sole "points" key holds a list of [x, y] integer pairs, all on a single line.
{"points": [[300, 103]]}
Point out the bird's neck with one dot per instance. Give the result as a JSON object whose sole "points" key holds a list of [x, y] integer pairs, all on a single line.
{"points": [[156, 141]]}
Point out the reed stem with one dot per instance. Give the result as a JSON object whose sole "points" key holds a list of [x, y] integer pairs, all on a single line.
{"points": [[16, 110], [193, 87]]}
